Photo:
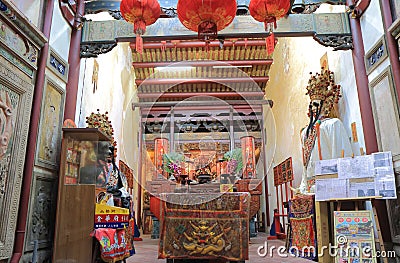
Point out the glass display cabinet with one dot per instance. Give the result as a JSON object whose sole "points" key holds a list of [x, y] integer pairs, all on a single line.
{"points": [[82, 175]]}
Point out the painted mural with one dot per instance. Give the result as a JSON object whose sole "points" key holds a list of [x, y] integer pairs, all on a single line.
{"points": [[50, 125]]}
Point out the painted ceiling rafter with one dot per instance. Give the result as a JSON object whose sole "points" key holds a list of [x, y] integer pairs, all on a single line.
{"points": [[167, 44]]}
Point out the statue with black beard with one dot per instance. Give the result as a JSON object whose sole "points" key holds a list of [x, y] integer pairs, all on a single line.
{"points": [[325, 137]]}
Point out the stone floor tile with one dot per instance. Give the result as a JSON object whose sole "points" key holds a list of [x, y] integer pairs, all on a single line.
{"points": [[146, 251]]}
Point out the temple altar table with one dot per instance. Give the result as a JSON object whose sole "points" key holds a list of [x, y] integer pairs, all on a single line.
{"points": [[204, 226]]}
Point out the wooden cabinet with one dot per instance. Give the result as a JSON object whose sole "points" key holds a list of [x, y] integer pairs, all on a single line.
{"points": [[82, 148]]}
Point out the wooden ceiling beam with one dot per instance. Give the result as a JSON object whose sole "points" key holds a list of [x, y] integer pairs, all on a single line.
{"points": [[156, 95], [191, 105], [204, 63], [194, 44], [176, 81]]}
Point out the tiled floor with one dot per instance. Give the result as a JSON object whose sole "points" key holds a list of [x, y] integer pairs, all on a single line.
{"points": [[146, 252]]}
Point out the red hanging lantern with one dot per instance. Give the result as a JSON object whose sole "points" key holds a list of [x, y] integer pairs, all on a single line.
{"points": [[268, 11], [206, 17], [140, 13]]}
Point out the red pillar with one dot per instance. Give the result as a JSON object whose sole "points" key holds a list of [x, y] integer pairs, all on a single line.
{"points": [[32, 139], [140, 178], [392, 45], [395, 64], [74, 66], [367, 117]]}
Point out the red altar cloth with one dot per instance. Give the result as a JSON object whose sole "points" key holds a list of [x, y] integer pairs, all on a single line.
{"points": [[205, 226], [155, 206]]}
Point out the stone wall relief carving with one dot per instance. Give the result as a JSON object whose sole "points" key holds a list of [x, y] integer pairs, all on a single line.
{"points": [[41, 216], [15, 106], [8, 111]]}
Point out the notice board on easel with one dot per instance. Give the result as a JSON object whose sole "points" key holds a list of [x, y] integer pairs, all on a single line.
{"points": [[359, 176], [354, 237]]}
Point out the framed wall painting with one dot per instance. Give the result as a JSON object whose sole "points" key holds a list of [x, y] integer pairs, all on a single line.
{"points": [[49, 138]]}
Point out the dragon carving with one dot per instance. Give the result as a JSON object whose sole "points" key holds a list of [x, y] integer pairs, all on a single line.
{"points": [[204, 240]]}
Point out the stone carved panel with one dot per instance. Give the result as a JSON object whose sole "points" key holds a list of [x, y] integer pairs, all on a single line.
{"points": [[21, 46], [15, 106], [42, 211], [328, 24]]}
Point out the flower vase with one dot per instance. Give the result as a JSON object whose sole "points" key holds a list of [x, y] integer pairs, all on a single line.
{"points": [[233, 178], [172, 178]]}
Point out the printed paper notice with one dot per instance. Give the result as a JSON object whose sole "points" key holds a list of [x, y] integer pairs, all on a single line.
{"points": [[333, 188], [385, 184], [361, 187], [357, 167], [326, 167]]}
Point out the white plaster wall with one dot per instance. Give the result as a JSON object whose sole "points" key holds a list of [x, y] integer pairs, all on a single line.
{"points": [[287, 87], [115, 92], [371, 25], [60, 34], [32, 10]]}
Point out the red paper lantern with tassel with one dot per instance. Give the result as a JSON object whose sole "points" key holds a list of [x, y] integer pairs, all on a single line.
{"points": [[140, 13], [206, 17], [268, 11]]}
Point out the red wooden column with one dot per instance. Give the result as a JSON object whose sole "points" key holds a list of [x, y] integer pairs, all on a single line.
{"points": [[74, 65], [139, 174], [392, 45], [265, 175], [367, 117], [32, 139]]}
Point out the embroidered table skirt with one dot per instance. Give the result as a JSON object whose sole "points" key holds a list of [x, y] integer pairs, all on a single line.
{"points": [[205, 226], [302, 221]]}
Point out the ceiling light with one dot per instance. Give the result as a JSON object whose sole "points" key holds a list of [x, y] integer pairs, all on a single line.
{"points": [[173, 69], [230, 66]]}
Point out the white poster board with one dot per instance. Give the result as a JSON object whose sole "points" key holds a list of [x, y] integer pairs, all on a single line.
{"points": [[360, 176]]}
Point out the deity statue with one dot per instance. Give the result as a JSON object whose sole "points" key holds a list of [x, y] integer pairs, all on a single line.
{"points": [[325, 136], [99, 172]]}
